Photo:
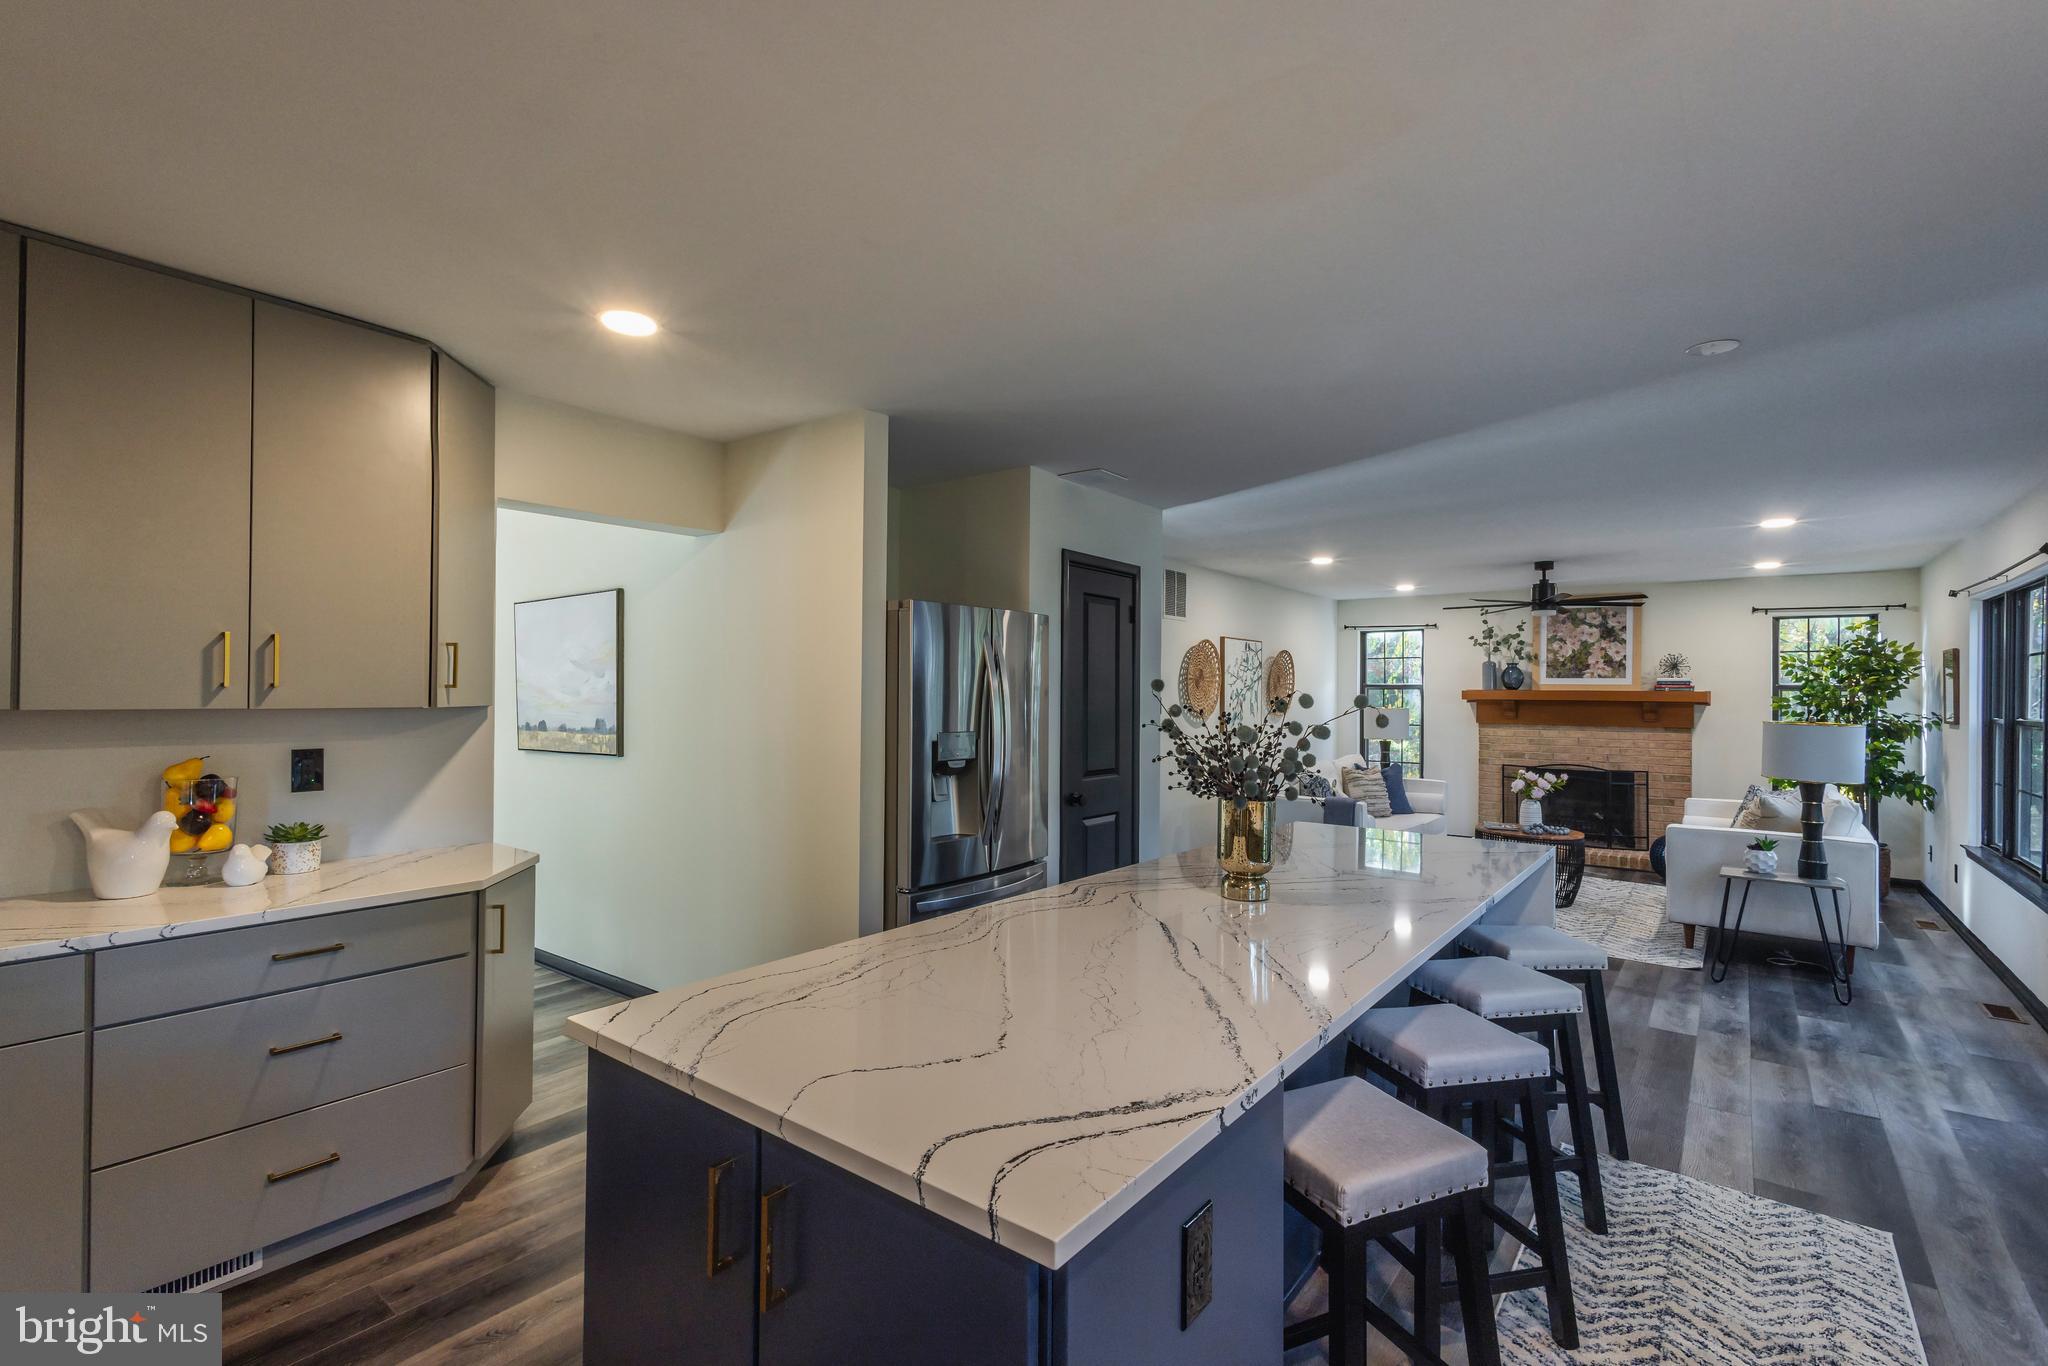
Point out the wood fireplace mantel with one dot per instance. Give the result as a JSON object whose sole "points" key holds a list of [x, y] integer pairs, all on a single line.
{"points": [[1632, 708]]}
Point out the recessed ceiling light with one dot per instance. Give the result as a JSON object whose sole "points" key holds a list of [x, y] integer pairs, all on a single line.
{"points": [[1322, 561], [1778, 523], [627, 323], [1404, 588], [1768, 564], [1721, 346]]}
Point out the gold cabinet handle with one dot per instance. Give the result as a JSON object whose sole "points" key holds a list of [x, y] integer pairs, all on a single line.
{"points": [[500, 909], [454, 664], [276, 659], [714, 1261], [306, 953], [315, 1165], [277, 1049], [771, 1293], [227, 660]]}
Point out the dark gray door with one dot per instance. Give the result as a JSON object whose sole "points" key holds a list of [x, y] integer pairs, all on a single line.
{"points": [[1098, 777]]}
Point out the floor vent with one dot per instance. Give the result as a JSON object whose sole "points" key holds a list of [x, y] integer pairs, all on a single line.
{"points": [[1932, 925], [1176, 593], [2006, 1013], [209, 1276]]}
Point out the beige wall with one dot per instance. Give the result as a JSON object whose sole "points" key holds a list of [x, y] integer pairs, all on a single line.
{"points": [[743, 822], [1709, 622], [965, 540], [582, 464], [2011, 927]]}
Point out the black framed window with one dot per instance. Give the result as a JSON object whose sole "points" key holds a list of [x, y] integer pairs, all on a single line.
{"points": [[2015, 643], [1797, 638], [1390, 675]]}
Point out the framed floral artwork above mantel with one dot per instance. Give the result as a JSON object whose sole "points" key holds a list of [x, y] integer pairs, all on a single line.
{"points": [[1588, 647]]}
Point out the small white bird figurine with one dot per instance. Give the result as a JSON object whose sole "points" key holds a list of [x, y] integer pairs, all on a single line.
{"points": [[247, 865], [125, 863]]}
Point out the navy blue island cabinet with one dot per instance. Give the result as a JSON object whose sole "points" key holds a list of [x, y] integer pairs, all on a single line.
{"points": [[711, 1243]]}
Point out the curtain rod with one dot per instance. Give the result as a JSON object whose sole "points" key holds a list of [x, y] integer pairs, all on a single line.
{"points": [[1405, 626], [1992, 578], [1853, 607]]}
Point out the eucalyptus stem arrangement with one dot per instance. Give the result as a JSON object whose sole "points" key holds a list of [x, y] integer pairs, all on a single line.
{"points": [[1240, 761]]}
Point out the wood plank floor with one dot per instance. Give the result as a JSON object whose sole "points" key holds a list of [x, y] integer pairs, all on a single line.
{"points": [[1912, 1110]]}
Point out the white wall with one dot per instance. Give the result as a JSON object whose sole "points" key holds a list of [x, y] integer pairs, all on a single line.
{"points": [[584, 464], [1224, 604], [2009, 925], [1709, 622], [742, 823]]}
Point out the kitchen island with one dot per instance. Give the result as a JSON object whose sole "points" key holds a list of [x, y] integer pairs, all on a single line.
{"points": [[1045, 1130]]}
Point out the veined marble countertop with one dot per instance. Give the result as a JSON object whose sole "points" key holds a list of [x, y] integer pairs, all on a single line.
{"points": [[77, 922], [1033, 1068]]}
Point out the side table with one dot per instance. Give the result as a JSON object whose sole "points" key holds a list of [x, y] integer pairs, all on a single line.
{"points": [[1836, 949], [1569, 844]]}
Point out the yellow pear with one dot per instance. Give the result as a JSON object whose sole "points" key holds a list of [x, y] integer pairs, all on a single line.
{"points": [[182, 843], [216, 838], [174, 803], [180, 774], [223, 811]]}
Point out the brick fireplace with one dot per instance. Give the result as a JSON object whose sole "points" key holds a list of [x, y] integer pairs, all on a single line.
{"points": [[1633, 731]]}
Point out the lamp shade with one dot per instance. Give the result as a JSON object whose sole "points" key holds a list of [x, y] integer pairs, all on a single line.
{"points": [[1813, 752], [1390, 723]]}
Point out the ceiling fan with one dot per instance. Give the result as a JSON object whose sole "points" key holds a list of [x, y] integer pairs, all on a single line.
{"points": [[1544, 599]]}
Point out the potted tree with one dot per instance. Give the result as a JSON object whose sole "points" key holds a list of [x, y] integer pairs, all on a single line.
{"points": [[1859, 681]]}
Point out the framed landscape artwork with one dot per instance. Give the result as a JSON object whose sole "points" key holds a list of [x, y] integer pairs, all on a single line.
{"points": [[1587, 647], [1244, 678], [565, 665]]}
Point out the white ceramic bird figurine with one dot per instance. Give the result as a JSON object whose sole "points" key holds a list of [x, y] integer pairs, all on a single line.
{"points": [[125, 863], [247, 865]]}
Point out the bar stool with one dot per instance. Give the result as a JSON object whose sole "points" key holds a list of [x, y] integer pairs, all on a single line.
{"points": [[1440, 1059], [1529, 1002], [1556, 954], [1362, 1166]]}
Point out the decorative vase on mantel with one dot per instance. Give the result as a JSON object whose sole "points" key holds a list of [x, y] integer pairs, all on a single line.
{"points": [[1512, 677], [1489, 676], [1530, 815], [1244, 847]]}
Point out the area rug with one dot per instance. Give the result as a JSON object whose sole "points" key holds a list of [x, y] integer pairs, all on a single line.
{"points": [[1627, 920], [1695, 1272]]}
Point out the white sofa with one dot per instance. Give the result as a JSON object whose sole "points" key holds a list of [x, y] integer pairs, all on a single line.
{"points": [[1426, 795], [1697, 848]]}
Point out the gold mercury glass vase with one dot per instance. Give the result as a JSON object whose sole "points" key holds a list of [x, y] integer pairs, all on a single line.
{"points": [[1244, 847]]}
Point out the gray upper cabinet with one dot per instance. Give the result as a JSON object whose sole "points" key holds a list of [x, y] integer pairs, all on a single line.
{"points": [[465, 535], [134, 511], [10, 332], [341, 568]]}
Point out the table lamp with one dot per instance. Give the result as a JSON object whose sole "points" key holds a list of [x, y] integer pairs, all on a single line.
{"points": [[1385, 725], [1813, 754]]}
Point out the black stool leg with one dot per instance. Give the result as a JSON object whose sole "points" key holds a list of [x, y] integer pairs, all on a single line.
{"points": [[1429, 1284], [1557, 1285], [1573, 1064], [1344, 1263], [1603, 1062], [1468, 1228]]}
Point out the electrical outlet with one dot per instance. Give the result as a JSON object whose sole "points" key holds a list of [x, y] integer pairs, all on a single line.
{"points": [[1197, 1263], [309, 770]]}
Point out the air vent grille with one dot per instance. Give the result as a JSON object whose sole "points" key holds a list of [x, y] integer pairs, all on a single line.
{"points": [[1176, 593], [209, 1276]]}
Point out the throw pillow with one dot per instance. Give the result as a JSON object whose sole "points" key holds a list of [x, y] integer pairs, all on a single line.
{"points": [[1368, 787], [1766, 810], [1397, 790]]}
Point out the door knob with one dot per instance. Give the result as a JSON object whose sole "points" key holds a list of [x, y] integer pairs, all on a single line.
{"points": [[1076, 799]]}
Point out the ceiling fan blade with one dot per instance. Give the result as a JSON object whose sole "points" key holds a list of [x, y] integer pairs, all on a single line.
{"points": [[1602, 599], [1485, 605]]}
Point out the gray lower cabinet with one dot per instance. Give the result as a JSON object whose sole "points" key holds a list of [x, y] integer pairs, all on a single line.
{"points": [[504, 1039], [465, 535], [134, 515], [341, 514], [10, 336], [41, 1147]]}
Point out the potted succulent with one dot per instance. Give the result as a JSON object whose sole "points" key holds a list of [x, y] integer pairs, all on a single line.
{"points": [[294, 847], [1762, 856], [1532, 787]]}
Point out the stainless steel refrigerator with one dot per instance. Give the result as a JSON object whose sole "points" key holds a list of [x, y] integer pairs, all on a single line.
{"points": [[969, 757]]}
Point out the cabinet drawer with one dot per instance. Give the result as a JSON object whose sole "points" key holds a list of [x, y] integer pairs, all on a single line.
{"points": [[160, 1217], [180, 974], [42, 999], [168, 1081]]}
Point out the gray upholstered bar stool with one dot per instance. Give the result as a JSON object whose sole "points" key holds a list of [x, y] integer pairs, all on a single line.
{"points": [[1546, 1009], [1441, 1059], [1556, 954], [1362, 1166]]}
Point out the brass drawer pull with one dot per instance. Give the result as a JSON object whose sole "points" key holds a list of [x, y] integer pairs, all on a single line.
{"points": [[276, 659], [306, 953], [500, 909], [771, 1293], [335, 1037], [314, 1165], [227, 660], [713, 1261]]}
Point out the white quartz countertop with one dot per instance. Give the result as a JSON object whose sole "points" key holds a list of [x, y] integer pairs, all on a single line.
{"points": [[77, 922], [1033, 1068]]}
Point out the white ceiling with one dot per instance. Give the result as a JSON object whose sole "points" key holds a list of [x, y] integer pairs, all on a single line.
{"points": [[1445, 253]]}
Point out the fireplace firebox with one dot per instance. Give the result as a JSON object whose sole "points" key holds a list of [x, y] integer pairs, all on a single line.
{"points": [[1611, 805]]}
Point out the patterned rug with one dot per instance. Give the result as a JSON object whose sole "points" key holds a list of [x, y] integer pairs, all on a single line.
{"points": [[1627, 920], [1694, 1272]]}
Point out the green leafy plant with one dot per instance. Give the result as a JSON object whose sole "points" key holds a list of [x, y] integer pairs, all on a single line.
{"points": [[297, 832], [1857, 682], [1512, 646], [1764, 844], [1238, 761]]}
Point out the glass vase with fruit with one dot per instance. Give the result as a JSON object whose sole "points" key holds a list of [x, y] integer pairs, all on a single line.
{"points": [[203, 803]]}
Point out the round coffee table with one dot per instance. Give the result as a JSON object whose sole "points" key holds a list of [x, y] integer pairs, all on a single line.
{"points": [[1571, 853]]}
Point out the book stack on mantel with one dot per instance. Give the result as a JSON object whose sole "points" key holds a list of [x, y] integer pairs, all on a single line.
{"points": [[1672, 685]]}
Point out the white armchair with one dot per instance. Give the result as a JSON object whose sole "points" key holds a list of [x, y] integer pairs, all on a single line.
{"points": [[1696, 849], [1426, 795]]}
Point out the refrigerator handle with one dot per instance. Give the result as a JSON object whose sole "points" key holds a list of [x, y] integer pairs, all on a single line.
{"points": [[996, 764]]}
